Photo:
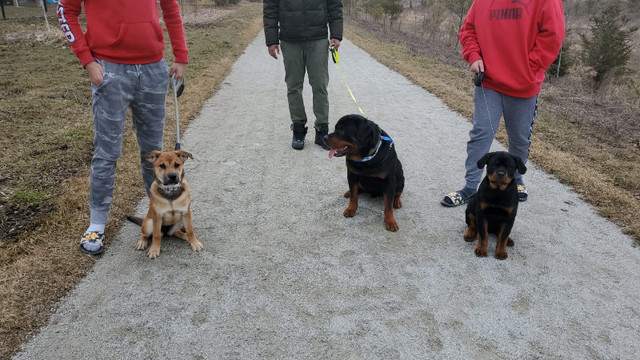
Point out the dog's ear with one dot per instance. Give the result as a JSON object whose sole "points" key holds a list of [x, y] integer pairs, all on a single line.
{"points": [[482, 162], [371, 134], [153, 156], [183, 155], [520, 165]]}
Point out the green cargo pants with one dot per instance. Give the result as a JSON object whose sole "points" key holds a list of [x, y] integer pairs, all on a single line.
{"points": [[311, 56]]}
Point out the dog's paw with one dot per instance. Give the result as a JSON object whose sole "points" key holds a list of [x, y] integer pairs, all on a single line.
{"points": [[142, 244], [391, 225], [349, 212], [469, 236], [196, 245], [397, 203], [500, 255], [510, 242], [481, 252], [153, 252]]}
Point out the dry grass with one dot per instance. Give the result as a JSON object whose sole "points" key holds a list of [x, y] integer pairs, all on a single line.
{"points": [[587, 140], [47, 140]]}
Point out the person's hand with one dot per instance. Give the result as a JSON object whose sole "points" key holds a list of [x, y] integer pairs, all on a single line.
{"points": [[95, 73], [179, 69], [274, 51], [335, 43], [477, 66]]}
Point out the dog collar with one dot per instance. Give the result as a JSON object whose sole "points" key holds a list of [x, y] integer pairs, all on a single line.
{"points": [[382, 138], [171, 188]]}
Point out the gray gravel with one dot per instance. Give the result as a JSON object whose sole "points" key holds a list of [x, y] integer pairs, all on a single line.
{"points": [[285, 275]]}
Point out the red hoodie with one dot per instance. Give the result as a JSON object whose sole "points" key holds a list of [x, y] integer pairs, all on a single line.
{"points": [[516, 39], [123, 31]]}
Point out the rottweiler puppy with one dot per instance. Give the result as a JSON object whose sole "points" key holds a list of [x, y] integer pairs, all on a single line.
{"points": [[372, 164], [169, 203], [494, 208]]}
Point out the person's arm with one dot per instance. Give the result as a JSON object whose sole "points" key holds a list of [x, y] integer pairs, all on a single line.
{"points": [[550, 35], [270, 10], [334, 9], [175, 29], [469, 39], [68, 13]]}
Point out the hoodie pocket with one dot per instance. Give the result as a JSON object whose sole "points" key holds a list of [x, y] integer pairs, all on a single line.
{"points": [[144, 38]]}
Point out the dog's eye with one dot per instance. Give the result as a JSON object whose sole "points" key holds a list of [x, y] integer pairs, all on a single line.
{"points": [[163, 166], [177, 165]]}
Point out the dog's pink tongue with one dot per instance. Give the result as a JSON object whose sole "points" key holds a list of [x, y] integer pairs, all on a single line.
{"points": [[332, 152]]}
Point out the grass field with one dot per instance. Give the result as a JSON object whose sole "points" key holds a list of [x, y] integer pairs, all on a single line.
{"points": [[47, 137]]}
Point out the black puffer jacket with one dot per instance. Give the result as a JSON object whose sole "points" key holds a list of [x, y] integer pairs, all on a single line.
{"points": [[297, 20]]}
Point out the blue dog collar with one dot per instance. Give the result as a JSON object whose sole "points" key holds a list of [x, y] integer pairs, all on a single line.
{"points": [[385, 138]]}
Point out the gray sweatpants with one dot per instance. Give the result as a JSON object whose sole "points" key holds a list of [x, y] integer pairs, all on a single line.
{"points": [[143, 88], [310, 56], [488, 107]]}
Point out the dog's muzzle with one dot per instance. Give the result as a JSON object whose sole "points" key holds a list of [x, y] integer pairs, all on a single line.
{"points": [[171, 179]]}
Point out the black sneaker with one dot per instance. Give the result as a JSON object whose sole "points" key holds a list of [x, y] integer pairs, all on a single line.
{"points": [[299, 132], [320, 134]]}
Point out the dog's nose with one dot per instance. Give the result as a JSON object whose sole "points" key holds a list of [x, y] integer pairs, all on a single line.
{"points": [[500, 173], [172, 177]]}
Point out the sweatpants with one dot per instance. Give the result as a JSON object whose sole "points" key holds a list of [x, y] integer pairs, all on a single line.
{"points": [[311, 56], [488, 107], [143, 89]]}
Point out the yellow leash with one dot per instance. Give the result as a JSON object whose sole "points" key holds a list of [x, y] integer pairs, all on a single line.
{"points": [[336, 60]]}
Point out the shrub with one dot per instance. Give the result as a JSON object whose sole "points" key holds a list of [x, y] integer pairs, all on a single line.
{"points": [[608, 50]]}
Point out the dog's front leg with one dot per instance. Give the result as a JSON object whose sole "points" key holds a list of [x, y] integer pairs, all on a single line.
{"points": [[350, 211], [389, 199], [503, 240], [146, 229], [472, 229], [191, 236], [483, 236], [156, 237]]}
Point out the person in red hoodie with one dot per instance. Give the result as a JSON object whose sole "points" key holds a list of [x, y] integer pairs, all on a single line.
{"points": [[508, 44], [122, 51]]}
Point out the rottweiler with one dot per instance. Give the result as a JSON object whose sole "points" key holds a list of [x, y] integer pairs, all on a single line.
{"points": [[494, 208], [372, 164]]}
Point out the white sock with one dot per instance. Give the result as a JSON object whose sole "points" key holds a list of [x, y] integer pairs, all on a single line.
{"points": [[96, 228]]}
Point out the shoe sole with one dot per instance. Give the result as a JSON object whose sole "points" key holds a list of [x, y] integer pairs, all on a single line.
{"points": [[91, 252], [446, 204]]}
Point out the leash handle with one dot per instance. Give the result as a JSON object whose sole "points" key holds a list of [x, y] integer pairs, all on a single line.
{"points": [[477, 80], [334, 54]]}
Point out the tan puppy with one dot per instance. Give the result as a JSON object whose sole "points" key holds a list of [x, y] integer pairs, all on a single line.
{"points": [[170, 202]]}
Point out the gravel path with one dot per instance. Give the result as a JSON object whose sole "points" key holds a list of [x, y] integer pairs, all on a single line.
{"points": [[285, 275]]}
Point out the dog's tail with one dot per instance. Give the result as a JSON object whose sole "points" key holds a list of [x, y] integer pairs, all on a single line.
{"points": [[136, 220]]}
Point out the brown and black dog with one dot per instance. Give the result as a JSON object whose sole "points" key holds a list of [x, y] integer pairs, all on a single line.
{"points": [[372, 164], [494, 207], [169, 203]]}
